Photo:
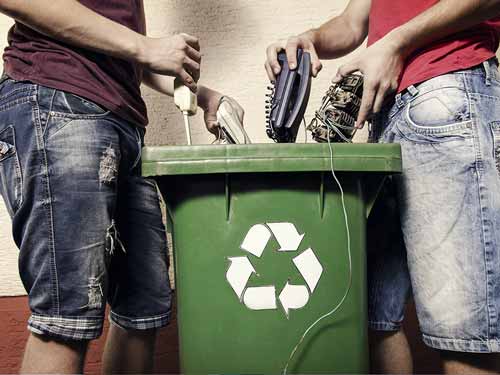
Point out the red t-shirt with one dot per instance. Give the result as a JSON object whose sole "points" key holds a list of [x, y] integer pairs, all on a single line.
{"points": [[113, 83], [461, 50]]}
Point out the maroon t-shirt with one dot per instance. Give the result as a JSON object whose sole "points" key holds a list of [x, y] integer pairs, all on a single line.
{"points": [[113, 83]]}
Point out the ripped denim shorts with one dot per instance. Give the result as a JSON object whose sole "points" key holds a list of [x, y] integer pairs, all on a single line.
{"points": [[89, 228]]}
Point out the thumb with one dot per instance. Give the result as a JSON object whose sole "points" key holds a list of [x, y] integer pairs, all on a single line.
{"points": [[344, 70]]}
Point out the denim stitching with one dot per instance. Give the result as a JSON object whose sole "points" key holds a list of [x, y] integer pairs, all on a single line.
{"points": [[18, 190], [19, 177], [47, 204], [14, 103], [49, 113], [16, 91], [482, 204]]}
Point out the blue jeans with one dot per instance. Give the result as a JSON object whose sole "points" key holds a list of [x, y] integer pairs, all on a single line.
{"points": [[448, 197], [88, 226]]}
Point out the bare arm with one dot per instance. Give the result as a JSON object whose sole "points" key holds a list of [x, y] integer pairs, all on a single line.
{"points": [[335, 38], [383, 62], [71, 22], [343, 34], [165, 85]]}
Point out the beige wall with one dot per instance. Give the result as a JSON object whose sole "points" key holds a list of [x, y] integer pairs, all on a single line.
{"points": [[233, 34]]}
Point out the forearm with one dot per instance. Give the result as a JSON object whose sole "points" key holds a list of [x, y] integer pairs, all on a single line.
{"points": [[336, 38], [165, 85], [343, 34], [161, 83], [75, 24], [443, 19]]}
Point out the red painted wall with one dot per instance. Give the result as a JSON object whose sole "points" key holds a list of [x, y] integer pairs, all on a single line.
{"points": [[14, 314]]}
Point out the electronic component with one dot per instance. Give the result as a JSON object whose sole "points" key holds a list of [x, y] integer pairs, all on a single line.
{"points": [[288, 98], [230, 122], [335, 120], [187, 102]]}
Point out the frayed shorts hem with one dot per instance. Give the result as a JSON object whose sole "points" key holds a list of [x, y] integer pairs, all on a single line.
{"points": [[465, 346], [66, 328], [384, 326], [141, 324]]}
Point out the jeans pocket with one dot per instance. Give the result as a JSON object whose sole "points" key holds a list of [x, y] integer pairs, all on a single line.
{"points": [[64, 104], [10, 171], [439, 115], [437, 109], [79, 105]]}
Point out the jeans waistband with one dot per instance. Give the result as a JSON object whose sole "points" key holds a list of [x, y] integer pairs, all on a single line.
{"points": [[486, 68]]}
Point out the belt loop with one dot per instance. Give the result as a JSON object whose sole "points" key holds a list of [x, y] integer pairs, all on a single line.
{"points": [[399, 101], [412, 90], [487, 71]]}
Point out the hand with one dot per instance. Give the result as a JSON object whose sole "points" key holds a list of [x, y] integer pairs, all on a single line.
{"points": [[177, 56], [381, 65], [304, 41], [209, 101]]}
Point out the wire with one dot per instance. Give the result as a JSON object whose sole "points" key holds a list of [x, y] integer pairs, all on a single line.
{"points": [[188, 129], [305, 129], [349, 284]]}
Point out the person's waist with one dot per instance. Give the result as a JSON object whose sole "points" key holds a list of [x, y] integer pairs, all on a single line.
{"points": [[486, 69]]}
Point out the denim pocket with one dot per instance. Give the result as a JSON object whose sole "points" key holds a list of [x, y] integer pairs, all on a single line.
{"points": [[10, 171], [79, 105], [64, 104], [437, 116], [439, 108]]}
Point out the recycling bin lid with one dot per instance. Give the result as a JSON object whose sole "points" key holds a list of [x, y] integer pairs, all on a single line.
{"points": [[269, 157]]}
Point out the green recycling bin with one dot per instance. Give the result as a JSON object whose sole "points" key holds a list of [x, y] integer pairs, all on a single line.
{"points": [[261, 252]]}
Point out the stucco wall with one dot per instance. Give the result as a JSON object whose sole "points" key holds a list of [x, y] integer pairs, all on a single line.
{"points": [[234, 35]]}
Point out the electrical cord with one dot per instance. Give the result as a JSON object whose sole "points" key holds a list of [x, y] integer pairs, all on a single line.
{"points": [[349, 284], [305, 129], [187, 128]]}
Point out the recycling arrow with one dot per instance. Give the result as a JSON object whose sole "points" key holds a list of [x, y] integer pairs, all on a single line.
{"points": [[309, 267], [256, 240], [239, 273], [293, 297], [287, 236], [260, 298]]}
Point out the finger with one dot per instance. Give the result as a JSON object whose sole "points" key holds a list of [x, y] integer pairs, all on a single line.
{"points": [[270, 73], [192, 67], [193, 54], [344, 70], [272, 57], [212, 126], [379, 99], [191, 40], [291, 53], [366, 108], [188, 80], [316, 64]]}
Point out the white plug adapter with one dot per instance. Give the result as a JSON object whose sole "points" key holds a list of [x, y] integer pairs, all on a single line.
{"points": [[184, 98]]}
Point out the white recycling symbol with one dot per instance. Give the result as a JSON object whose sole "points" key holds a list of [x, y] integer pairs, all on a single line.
{"points": [[292, 297]]}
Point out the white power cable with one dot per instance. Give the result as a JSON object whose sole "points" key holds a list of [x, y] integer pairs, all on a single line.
{"points": [[349, 284], [187, 127]]}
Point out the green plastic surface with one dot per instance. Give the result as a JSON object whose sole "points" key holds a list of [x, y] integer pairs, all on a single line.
{"points": [[158, 161], [214, 195]]}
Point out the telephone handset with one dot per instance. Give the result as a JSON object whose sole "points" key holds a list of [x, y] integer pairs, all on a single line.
{"points": [[288, 99]]}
